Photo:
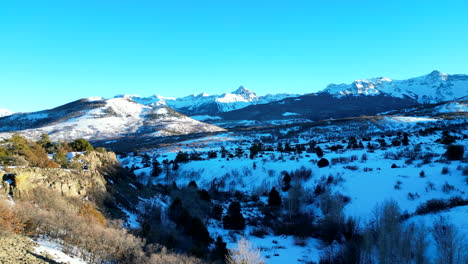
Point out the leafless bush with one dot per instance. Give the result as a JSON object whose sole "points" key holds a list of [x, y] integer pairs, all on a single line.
{"points": [[342, 160], [9, 222], [245, 254], [351, 167], [451, 246], [447, 188]]}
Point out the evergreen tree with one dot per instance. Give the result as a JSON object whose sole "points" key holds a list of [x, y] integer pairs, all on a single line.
{"points": [[220, 251], [286, 181], [274, 198], [319, 152], [280, 147], [81, 145], [157, 170], [182, 157], [405, 140], [239, 152], [234, 219]]}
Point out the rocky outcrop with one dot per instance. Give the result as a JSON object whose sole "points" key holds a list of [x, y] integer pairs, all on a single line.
{"points": [[74, 183], [99, 161]]}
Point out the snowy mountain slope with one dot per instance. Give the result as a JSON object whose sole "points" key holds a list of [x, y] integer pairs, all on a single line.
{"points": [[205, 104], [4, 112], [432, 88], [319, 106], [97, 118]]}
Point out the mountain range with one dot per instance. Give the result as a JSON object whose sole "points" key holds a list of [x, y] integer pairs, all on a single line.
{"points": [[154, 116], [4, 112]]}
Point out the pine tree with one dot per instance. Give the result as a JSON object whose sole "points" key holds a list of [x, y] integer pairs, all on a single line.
{"points": [[234, 219], [274, 198]]}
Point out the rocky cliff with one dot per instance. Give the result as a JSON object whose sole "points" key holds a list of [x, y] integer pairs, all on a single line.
{"points": [[88, 180]]}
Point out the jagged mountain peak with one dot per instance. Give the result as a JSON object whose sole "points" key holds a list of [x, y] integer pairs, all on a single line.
{"points": [[243, 91], [430, 88]]}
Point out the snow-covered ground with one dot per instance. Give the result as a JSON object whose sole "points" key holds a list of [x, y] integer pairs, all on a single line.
{"points": [[55, 251], [410, 175]]}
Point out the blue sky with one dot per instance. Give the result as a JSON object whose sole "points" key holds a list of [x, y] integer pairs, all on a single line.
{"points": [[53, 52]]}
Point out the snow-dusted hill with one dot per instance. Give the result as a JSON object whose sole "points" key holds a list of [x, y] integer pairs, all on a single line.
{"points": [[98, 118], [432, 88], [4, 112]]}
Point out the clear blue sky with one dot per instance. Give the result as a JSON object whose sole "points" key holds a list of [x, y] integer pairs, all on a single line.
{"points": [[53, 52]]}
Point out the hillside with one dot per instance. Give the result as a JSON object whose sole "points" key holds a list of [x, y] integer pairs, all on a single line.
{"points": [[401, 158], [97, 118], [303, 192]]}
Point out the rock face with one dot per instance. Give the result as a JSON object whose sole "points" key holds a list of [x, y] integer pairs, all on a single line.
{"points": [[73, 183]]}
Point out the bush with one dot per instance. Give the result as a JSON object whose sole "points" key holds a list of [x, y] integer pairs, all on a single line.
{"points": [[58, 217], [432, 206], [301, 174], [323, 163], [455, 152], [81, 145], [18, 151], [182, 157], [259, 232], [245, 254], [446, 188], [445, 170], [353, 167]]}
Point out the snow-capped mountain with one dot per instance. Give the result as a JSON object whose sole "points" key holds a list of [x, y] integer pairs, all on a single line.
{"points": [[431, 88], [4, 112], [205, 104], [98, 118]]}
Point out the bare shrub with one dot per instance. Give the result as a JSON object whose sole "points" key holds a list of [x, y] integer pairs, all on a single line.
{"points": [[351, 167], [260, 231], [303, 174], [447, 188], [388, 229], [245, 254], [68, 220], [432, 206], [451, 246], [9, 222]]}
